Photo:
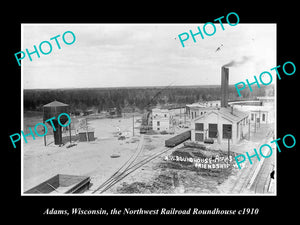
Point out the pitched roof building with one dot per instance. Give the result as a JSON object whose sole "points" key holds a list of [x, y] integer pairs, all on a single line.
{"points": [[55, 104], [220, 125]]}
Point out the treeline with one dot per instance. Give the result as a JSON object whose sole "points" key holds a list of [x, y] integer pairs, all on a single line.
{"points": [[139, 98]]}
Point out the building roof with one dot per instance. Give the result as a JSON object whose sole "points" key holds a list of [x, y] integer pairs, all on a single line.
{"points": [[233, 115], [204, 108], [55, 104], [196, 106], [160, 110], [204, 104], [245, 102], [253, 108], [266, 97]]}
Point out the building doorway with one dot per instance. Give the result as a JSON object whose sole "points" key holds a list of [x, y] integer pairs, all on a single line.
{"points": [[199, 137]]}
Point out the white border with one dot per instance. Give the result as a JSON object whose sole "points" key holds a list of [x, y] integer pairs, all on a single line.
{"points": [[22, 116]]}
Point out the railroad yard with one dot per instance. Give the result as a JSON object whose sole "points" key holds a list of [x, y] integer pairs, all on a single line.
{"points": [[98, 159], [139, 164]]}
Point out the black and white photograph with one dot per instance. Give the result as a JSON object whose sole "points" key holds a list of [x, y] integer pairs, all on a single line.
{"points": [[149, 109]]}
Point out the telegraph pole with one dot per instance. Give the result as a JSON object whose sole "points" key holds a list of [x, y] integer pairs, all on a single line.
{"points": [[255, 123], [133, 124], [259, 118], [249, 129], [70, 133], [44, 135], [228, 147], [180, 113], [87, 130]]}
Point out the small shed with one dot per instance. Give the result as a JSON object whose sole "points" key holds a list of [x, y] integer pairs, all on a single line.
{"points": [[86, 135]]}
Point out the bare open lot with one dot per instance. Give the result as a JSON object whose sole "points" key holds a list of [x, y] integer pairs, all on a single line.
{"points": [[85, 158], [101, 158]]}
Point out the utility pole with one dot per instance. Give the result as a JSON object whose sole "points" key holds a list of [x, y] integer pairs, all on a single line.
{"points": [[70, 133], [44, 135], [180, 113], [87, 132], [255, 123], [259, 118], [133, 124], [228, 147], [249, 128], [229, 135]]}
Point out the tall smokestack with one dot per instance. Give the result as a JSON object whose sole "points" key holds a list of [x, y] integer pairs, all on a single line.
{"points": [[224, 86]]}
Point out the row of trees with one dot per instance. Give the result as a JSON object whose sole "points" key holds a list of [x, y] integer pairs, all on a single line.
{"points": [[137, 98]]}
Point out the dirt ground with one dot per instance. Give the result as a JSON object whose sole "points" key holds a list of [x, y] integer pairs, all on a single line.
{"points": [[85, 158], [94, 159]]}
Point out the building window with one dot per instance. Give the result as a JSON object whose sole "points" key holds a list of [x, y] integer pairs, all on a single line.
{"points": [[227, 131], [199, 126], [212, 130], [165, 115], [263, 117], [252, 116], [158, 123], [158, 128]]}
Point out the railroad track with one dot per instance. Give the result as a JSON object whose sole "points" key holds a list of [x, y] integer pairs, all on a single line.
{"points": [[129, 167], [262, 181], [124, 167], [244, 179]]}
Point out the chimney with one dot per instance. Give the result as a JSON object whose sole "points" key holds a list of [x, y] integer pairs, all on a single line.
{"points": [[224, 86]]}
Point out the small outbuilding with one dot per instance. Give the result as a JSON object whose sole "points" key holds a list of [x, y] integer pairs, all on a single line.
{"points": [[54, 109], [86, 135]]}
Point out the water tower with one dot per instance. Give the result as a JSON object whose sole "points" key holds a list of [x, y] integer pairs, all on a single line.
{"points": [[54, 109]]}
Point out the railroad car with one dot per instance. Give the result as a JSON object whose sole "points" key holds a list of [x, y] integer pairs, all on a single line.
{"points": [[178, 139], [62, 184]]}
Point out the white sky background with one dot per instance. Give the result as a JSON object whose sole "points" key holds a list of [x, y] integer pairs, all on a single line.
{"points": [[121, 55]]}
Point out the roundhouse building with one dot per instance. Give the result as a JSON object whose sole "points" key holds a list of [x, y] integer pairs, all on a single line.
{"points": [[220, 125]]}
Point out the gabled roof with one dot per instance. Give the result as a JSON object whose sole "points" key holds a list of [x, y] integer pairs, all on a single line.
{"points": [[55, 104], [227, 113], [233, 115]]}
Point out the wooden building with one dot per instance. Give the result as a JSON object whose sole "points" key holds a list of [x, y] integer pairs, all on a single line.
{"points": [[54, 109], [220, 125]]}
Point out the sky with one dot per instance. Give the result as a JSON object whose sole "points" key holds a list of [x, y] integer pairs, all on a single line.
{"points": [[126, 55]]}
